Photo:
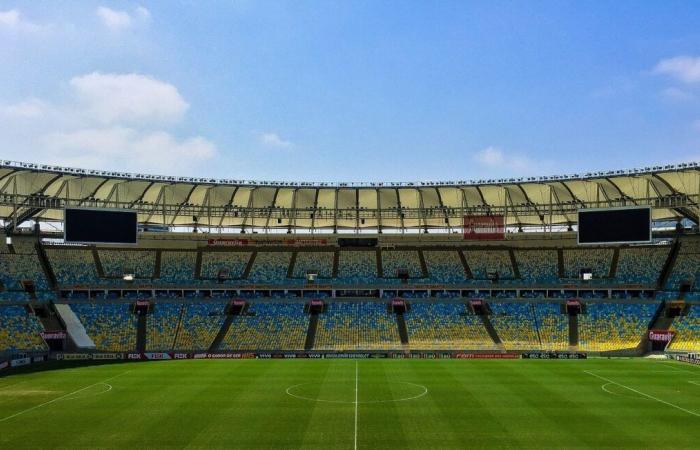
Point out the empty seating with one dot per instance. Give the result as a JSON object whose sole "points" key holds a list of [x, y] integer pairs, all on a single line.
{"points": [[516, 326], [357, 326], [73, 265], [19, 330], [687, 265], [552, 325], [641, 265], [200, 324], [538, 266], [319, 262], [177, 267], [687, 330], [444, 266], [393, 260], [268, 326], [445, 326], [614, 326], [162, 326], [230, 265], [270, 267], [112, 327], [483, 262], [116, 263], [598, 260], [356, 266]]}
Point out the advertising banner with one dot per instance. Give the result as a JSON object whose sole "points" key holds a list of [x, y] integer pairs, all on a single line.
{"points": [[484, 228], [661, 335], [486, 356], [53, 335]]}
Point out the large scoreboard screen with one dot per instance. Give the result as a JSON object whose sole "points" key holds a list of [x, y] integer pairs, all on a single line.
{"points": [[100, 226], [626, 225]]}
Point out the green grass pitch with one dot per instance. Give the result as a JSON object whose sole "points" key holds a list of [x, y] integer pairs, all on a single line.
{"points": [[348, 404]]}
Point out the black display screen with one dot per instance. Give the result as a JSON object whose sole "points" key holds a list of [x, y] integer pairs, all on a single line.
{"points": [[106, 226], [621, 225]]}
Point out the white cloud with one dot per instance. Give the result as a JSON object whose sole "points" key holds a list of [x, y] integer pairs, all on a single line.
{"points": [[676, 95], [113, 19], [123, 148], [117, 20], [683, 68], [129, 98], [274, 140], [13, 21], [504, 164], [27, 109], [111, 121]]}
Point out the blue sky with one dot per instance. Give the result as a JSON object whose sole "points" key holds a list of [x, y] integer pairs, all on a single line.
{"points": [[343, 91]]}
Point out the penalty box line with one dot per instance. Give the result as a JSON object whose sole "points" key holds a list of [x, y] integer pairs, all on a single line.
{"points": [[643, 394], [62, 397]]}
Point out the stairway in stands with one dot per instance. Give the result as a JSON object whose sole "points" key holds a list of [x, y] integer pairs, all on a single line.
{"points": [[492, 331], [403, 330], [311, 331], [573, 332], [223, 331], [141, 333]]}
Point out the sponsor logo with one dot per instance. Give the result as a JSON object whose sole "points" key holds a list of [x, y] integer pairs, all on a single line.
{"points": [[156, 356], [661, 335], [486, 356], [181, 355], [20, 362], [74, 356], [53, 335], [134, 356], [105, 356]]}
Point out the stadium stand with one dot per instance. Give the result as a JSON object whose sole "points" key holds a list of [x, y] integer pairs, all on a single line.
{"points": [[270, 267], [319, 262], [614, 326], [641, 265], [596, 259], [357, 267], [537, 266], [268, 326], [357, 326], [444, 266], [687, 265], [20, 330], [445, 326], [230, 265], [111, 326], [20, 266], [687, 329], [73, 265], [552, 326], [116, 263], [393, 260], [199, 326], [515, 324], [177, 267], [163, 324], [483, 262]]}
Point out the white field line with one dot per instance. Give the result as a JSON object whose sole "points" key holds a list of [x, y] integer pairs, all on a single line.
{"points": [[643, 394], [62, 397], [357, 377], [674, 366], [694, 382]]}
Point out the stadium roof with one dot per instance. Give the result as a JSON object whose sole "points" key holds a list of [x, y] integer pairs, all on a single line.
{"points": [[40, 192]]}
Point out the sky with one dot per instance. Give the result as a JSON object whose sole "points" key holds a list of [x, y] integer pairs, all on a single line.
{"points": [[350, 90]]}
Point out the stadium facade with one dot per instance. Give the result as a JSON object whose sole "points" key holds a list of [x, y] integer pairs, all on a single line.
{"points": [[227, 268]]}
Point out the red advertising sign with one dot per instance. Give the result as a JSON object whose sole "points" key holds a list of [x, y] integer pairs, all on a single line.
{"points": [[223, 242], [661, 335], [482, 228]]}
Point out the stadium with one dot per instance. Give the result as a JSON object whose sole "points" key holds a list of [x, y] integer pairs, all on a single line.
{"points": [[424, 305], [349, 225]]}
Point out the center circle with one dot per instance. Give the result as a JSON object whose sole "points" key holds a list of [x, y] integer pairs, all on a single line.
{"points": [[342, 390]]}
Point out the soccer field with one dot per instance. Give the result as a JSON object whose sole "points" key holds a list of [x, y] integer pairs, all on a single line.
{"points": [[348, 404]]}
